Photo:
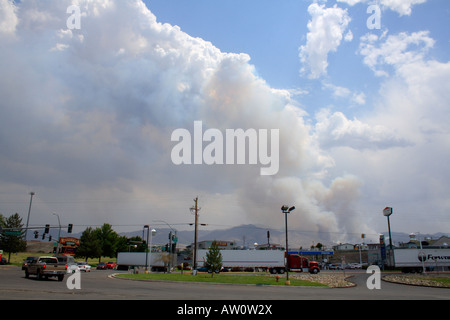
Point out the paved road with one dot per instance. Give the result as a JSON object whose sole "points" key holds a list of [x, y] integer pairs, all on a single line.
{"points": [[99, 285]]}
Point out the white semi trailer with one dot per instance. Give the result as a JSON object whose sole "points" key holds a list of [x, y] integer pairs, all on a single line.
{"points": [[156, 261], [416, 260], [271, 260]]}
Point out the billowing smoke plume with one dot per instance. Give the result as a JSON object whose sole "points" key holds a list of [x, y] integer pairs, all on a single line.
{"points": [[90, 112]]}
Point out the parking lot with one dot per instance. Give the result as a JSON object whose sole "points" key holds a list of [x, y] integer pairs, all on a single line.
{"points": [[100, 284]]}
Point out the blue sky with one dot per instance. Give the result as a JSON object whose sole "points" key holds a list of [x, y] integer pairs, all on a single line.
{"points": [[363, 113], [268, 31], [271, 32]]}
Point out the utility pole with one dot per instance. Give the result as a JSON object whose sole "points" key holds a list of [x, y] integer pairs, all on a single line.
{"points": [[29, 211], [170, 251], [195, 210]]}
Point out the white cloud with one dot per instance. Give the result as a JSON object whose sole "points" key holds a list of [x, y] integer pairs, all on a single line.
{"points": [[326, 31], [402, 7], [335, 130], [359, 98], [8, 18], [395, 50], [402, 146], [342, 92], [96, 108]]}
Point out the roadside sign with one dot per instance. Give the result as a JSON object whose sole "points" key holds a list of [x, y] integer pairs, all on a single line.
{"points": [[12, 233], [387, 211]]}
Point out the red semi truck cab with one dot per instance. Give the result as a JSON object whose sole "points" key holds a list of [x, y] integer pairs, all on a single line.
{"points": [[300, 263]]}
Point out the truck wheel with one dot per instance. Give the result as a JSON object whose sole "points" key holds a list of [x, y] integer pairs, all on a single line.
{"points": [[27, 275], [60, 277], [281, 271], [315, 271]]}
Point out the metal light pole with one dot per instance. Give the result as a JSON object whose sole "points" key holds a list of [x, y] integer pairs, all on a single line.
{"points": [[285, 209], [146, 249], [153, 232], [29, 210], [147, 244], [421, 257], [59, 232], [387, 213]]}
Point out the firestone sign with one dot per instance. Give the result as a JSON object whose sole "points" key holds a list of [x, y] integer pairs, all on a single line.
{"points": [[387, 211]]}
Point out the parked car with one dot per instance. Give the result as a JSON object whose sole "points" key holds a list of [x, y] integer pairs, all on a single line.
{"points": [[202, 269], [354, 266], [27, 261], [84, 266], [111, 265], [72, 268], [336, 266], [101, 266]]}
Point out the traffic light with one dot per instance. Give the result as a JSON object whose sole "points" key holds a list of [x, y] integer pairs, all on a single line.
{"points": [[47, 228], [36, 234], [69, 228], [49, 238]]}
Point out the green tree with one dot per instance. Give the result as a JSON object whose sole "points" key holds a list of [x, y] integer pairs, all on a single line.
{"points": [[213, 259], [122, 244], [134, 244], [12, 243], [2, 221], [90, 246], [108, 240]]}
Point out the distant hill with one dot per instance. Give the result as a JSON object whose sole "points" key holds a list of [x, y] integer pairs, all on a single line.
{"points": [[246, 235], [249, 234]]}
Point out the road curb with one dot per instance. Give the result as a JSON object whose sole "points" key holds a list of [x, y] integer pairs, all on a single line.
{"points": [[113, 276]]}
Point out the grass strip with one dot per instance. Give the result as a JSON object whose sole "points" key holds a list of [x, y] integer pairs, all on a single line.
{"points": [[220, 278], [442, 280]]}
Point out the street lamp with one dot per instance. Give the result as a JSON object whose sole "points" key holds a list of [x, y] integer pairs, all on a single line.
{"points": [[153, 232], [285, 209], [59, 232], [421, 255], [29, 210]]}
